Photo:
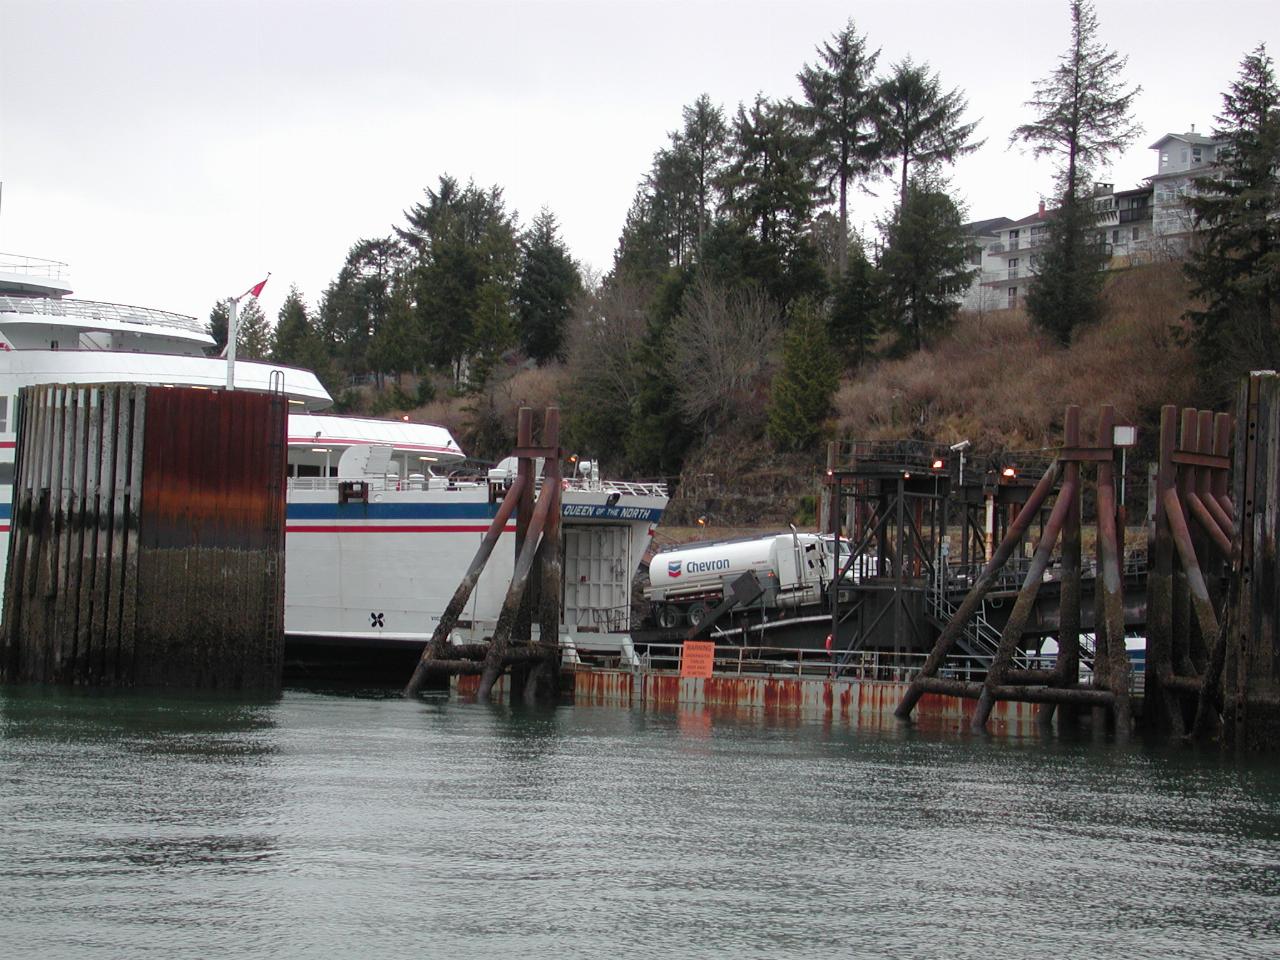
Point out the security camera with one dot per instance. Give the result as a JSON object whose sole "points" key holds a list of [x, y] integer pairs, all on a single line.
{"points": [[962, 445]]}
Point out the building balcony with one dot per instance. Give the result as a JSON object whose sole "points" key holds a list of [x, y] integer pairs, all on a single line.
{"points": [[1135, 215]]}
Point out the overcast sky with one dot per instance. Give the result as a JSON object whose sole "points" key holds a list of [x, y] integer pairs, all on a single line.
{"points": [[174, 151]]}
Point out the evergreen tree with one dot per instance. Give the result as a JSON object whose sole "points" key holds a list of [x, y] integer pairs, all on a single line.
{"points": [[355, 305], [672, 189], [462, 239], [547, 286], [841, 112], [801, 397], [1083, 116], [1235, 266], [920, 123], [218, 319], [925, 264], [395, 344], [705, 136], [766, 182], [643, 254], [295, 340], [253, 331], [855, 308], [493, 333]]}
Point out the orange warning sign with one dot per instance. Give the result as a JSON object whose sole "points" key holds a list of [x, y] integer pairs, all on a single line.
{"points": [[697, 658]]}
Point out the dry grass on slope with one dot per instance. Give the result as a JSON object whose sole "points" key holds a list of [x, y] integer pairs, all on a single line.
{"points": [[1000, 383]]}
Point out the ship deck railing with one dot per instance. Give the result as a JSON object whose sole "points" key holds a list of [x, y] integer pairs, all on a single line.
{"points": [[33, 266], [96, 311], [418, 481]]}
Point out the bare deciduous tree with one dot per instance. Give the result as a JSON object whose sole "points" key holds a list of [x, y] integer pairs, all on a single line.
{"points": [[718, 347]]}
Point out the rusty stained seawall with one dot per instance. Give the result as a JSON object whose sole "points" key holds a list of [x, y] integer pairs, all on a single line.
{"points": [[148, 538], [868, 703]]}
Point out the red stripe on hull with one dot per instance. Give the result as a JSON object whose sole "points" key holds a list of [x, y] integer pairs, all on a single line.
{"points": [[398, 528]]}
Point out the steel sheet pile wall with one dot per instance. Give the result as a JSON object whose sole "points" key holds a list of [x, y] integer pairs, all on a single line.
{"points": [[147, 539]]}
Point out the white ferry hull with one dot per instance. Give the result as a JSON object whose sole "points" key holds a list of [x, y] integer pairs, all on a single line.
{"points": [[381, 573]]}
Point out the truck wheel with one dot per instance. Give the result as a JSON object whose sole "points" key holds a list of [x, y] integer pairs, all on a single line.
{"points": [[696, 614], [667, 616]]}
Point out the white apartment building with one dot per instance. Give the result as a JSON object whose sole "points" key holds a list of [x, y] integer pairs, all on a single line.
{"points": [[1181, 157], [1006, 266], [1147, 223]]}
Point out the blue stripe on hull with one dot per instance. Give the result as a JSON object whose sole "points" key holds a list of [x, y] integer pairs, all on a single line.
{"points": [[454, 511]]}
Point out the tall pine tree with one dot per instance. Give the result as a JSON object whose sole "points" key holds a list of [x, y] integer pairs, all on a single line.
{"points": [[1082, 117], [925, 264], [548, 284], [800, 401], [841, 112], [921, 124], [1235, 264], [463, 240]]}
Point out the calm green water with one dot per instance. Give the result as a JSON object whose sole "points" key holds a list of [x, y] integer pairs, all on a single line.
{"points": [[344, 826]]}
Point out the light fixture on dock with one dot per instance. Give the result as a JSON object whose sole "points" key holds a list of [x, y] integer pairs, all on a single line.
{"points": [[1009, 471]]}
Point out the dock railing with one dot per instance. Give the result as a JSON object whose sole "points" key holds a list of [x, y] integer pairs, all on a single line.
{"points": [[820, 664]]}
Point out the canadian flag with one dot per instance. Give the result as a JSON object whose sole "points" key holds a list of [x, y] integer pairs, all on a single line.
{"points": [[256, 289]]}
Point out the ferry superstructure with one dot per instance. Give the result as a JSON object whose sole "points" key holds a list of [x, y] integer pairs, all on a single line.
{"points": [[375, 569]]}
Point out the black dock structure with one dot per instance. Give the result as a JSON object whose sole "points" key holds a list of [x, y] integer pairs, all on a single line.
{"points": [[147, 540]]}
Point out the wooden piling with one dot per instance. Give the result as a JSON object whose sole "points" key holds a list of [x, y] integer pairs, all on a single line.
{"points": [[1251, 674], [946, 640]]}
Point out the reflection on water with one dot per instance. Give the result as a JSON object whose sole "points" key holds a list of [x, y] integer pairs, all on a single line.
{"points": [[358, 825]]}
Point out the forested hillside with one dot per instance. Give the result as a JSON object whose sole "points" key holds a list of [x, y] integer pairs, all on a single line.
{"points": [[743, 323]]}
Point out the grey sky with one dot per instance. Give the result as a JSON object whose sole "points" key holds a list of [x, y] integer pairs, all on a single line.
{"points": [[174, 151]]}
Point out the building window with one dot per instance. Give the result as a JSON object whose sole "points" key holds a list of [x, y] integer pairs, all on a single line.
{"points": [[1196, 155], [1184, 158], [1013, 297], [1115, 238], [1135, 233], [1013, 267], [1164, 159]]}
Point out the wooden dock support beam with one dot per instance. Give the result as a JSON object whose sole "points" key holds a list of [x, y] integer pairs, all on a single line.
{"points": [[537, 562]]}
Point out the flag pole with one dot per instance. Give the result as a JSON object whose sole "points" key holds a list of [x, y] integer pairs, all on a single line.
{"points": [[232, 303], [233, 327]]}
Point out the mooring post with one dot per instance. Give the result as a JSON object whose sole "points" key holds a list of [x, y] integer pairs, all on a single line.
{"points": [[543, 680], [1022, 608], [1111, 577], [1163, 704], [1251, 709], [1068, 665], [434, 649], [495, 660], [1184, 633], [946, 640], [524, 514]]}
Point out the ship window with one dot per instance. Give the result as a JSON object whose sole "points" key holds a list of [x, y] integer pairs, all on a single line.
{"points": [[53, 344], [4, 414], [6, 471]]}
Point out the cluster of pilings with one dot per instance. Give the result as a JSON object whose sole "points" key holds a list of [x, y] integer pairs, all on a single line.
{"points": [[535, 666], [1061, 686], [1213, 590], [1190, 556]]}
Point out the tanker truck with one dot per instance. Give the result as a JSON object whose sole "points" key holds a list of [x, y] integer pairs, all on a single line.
{"points": [[688, 581]]}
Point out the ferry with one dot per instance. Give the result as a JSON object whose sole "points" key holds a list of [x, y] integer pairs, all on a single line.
{"points": [[371, 570]]}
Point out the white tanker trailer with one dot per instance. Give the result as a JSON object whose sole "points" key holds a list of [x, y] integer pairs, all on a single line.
{"points": [[686, 582]]}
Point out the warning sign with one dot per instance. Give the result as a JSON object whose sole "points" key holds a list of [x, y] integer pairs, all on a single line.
{"points": [[697, 658]]}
